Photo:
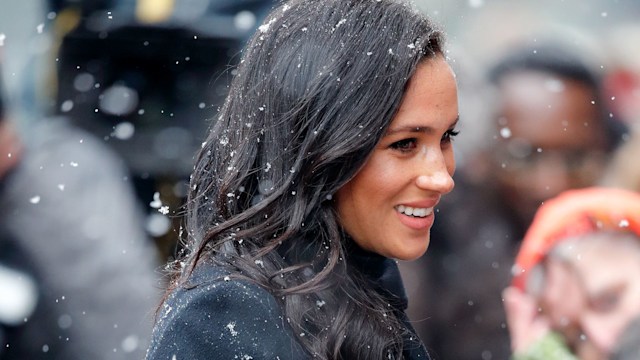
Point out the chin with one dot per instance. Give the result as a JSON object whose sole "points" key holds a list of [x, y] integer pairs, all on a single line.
{"points": [[414, 254]]}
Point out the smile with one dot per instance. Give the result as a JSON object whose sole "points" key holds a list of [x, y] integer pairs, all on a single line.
{"points": [[415, 212]]}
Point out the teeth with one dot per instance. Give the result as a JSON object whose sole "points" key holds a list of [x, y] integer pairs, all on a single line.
{"points": [[417, 212]]}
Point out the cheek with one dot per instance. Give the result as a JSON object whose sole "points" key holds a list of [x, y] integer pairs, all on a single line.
{"points": [[562, 297], [344, 202], [355, 197], [630, 307], [379, 178]]}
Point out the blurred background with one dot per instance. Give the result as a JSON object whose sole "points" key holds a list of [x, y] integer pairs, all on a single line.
{"points": [[99, 62], [146, 77]]}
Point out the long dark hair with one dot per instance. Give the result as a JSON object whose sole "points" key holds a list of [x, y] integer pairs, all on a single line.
{"points": [[316, 89]]}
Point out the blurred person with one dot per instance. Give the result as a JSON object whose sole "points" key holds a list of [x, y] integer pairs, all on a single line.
{"points": [[77, 272], [623, 87], [576, 288], [325, 165], [622, 171], [555, 129], [623, 79], [552, 132]]}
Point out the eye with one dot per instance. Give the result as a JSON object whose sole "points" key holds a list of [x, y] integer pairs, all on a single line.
{"points": [[606, 301], [449, 135], [404, 145]]}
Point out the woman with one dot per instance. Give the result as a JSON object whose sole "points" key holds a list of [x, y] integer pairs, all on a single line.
{"points": [[329, 155], [576, 286]]}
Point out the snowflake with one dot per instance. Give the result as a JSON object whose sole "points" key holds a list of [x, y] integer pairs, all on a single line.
{"points": [[232, 328], [156, 203], [265, 27]]}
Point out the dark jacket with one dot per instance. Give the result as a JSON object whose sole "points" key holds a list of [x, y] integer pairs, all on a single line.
{"points": [[223, 318]]}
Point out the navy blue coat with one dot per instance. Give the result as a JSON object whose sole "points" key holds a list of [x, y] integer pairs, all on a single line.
{"points": [[222, 318]]}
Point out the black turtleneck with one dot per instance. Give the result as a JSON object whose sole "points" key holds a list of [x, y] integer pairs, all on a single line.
{"points": [[385, 277]]}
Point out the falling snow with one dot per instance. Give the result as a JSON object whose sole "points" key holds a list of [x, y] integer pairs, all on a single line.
{"points": [[156, 203], [66, 106], [232, 328]]}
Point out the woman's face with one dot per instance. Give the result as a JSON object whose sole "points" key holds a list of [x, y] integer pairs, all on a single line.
{"points": [[388, 207]]}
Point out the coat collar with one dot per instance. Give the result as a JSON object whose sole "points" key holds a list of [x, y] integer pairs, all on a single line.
{"points": [[381, 271]]}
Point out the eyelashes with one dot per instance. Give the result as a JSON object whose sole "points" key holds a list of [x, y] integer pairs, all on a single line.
{"points": [[409, 144], [449, 135], [405, 145]]}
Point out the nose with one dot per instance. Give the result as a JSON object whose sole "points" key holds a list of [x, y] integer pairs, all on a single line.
{"points": [[435, 172], [603, 334], [549, 178]]}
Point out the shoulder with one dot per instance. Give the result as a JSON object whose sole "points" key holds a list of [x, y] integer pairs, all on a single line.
{"points": [[229, 318]]}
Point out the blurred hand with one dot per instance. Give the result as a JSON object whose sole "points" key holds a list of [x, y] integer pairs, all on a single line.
{"points": [[525, 323]]}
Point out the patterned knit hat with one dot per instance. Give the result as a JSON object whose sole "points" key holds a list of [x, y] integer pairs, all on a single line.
{"points": [[573, 213]]}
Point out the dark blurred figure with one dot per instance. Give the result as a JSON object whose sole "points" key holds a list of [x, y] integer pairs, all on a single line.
{"points": [[77, 272], [552, 132], [148, 77]]}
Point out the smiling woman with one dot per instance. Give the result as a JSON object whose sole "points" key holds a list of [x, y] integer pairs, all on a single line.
{"points": [[388, 207], [324, 166]]}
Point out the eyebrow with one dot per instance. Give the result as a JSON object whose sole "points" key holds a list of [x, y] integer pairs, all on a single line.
{"points": [[419, 129]]}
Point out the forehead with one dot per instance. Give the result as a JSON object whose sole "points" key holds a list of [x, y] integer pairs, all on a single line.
{"points": [[605, 263], [549, 111], [431, 95]]}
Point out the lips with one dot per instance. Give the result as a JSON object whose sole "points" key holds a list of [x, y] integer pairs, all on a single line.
{"points": [[414, 211], [416, 217]]}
